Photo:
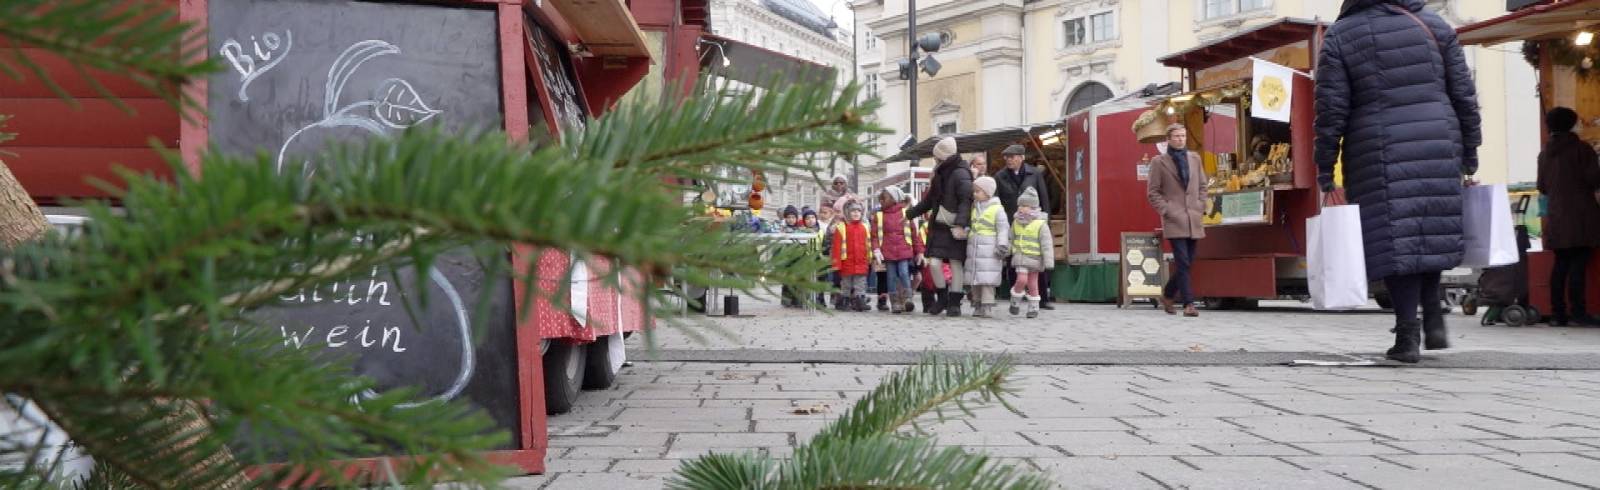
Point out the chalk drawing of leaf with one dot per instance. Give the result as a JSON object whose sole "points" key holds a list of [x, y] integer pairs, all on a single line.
{"points": [[399, 106]]}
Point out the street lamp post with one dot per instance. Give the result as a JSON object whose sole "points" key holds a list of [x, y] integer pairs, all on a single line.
{"points": [[911, 53]]}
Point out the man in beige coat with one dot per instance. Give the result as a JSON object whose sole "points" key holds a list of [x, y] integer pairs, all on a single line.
{"points": [[1178, 194]]}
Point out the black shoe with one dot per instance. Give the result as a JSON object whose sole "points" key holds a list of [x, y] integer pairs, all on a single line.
{"points": [[883, 303], [1585, 321], [840, 303], [952, 304], [1407, 340], [940, 297], [929, 298], [1434, 334], [1045, 305], [861, 304]]}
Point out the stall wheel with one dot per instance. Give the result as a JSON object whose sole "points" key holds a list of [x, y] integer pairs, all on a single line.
{"points": [[1516, 315], [1469, 307]]}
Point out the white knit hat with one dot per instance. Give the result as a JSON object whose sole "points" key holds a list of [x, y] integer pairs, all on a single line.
{"points": [[986, 183], [945, 149]]}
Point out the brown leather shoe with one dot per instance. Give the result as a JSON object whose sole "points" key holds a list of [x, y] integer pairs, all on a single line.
{"points": [[1191, 312], [1167, 306]]}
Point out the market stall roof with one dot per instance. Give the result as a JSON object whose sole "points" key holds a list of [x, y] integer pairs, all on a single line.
{"points": [[1543, 21], [757, 66], [607, 27], [1279, 33], [976, 141]]}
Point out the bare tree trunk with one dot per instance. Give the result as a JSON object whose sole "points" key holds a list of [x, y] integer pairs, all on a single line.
{"points": [[20, 219]]}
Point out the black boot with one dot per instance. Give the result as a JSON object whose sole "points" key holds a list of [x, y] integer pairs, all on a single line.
{"points": [[952, 303], [1434, 334], [883, 303], [940, 299], [929, 298], [840, 303], [1407, 340], [1044, 304], [861, 304]]}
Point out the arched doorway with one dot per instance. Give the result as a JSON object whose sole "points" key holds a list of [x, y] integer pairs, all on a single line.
{"points": [[1086, 95]]}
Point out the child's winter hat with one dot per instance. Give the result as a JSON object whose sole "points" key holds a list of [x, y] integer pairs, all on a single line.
{"points": [[895, 195], [852, 205], [986, 183], [807, 212], [1030, 198], [791, 211]]}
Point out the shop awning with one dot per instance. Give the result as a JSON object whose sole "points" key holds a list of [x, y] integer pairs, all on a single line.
{"points": [[607, 27], [976, 141], [1247, 43], [1545, 21], [756, 66]]}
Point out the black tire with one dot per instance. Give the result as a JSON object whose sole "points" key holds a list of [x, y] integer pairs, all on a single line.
{"points": [[1215, 304], [1470, 306], [600, 370], [1244, 304], [563, 375], [1515, 315]]}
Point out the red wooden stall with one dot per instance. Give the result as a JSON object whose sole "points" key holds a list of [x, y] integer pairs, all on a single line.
{"points": [[63, 145], [1256, 258]]}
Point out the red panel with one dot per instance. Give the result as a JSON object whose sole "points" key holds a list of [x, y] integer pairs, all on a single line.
{"points": [[603, 87], [1121, 199], [1079, 209], [553, 322], [652, 13], [513, 89], [57, 173], [530, 365], [683, 60], [1302, 132], [1539, 266], [67, 78], [1251, 277], [94, 124], [194, 132]]}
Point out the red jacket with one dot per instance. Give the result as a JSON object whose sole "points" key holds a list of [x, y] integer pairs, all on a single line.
{"points": [[851, 257], [889, 234]]}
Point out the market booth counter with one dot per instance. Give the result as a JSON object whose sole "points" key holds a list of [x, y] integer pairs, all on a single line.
{"points": [[1552, 32], [1252, 126]]}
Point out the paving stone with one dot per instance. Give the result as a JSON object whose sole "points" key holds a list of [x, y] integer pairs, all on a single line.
{"points": [[1237, 463], [531, 482], [1586, 475], [1539, 431], [684, 425], [1200, 437], [573, 465], [1238, 409], [608, 481], [1339, 464], [1253, 449], [1350, 448], [671, 414], [1057, 438], [1534, 445], [982, 439], [1183, 423], [1275, 479], [1534, 460], [1442, 461], [1505, 477], [613, 452], [1444, 447], [627, 439], [1298, 435], [716, 441], [1119, 450], [1106, 473], [1428, 432], [1049, 424], [647, 466], [1346, 407]]}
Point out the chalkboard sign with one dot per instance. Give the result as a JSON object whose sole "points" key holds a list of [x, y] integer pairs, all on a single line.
{"points": [[302, 73], [556, 71], [1143, 269]]}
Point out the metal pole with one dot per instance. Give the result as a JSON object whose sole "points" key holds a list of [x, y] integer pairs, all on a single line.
{"points": [[911, 52]]}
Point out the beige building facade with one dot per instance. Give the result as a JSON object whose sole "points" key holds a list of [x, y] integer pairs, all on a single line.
{"points": [[1011, 62]]}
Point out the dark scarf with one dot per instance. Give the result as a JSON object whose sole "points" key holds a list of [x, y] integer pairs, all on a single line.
{"points": [[1180, 158]]}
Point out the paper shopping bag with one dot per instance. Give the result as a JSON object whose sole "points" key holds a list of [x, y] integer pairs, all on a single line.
{"points": [[1336, 259], [1487, 231]]}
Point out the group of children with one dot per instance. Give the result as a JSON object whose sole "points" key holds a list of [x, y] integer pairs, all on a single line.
{"points": [[885, 252]]}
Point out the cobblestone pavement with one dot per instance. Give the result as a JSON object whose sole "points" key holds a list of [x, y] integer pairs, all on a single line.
{"points": [[1236, 419], [1277, 327], [1122, 427]]}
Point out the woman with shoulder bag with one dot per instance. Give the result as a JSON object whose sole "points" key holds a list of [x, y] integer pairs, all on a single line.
{"points": [[949, 202]]}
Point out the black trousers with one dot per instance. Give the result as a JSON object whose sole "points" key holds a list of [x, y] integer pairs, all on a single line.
{"points": [[1411, 291], [1567, 283], [1178, 286]]}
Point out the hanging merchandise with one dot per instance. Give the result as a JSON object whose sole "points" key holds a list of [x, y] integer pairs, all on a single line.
{"points": [[1274, 91]]}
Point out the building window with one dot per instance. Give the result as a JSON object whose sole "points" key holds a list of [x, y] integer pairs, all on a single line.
{"points": [[1092, 29], [1076, 32], [1085, 96], [1212, 9], [947, 128], [1101, 27]]}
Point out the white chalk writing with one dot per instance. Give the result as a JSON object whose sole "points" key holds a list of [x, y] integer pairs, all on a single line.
{"points": [[269, 50]]}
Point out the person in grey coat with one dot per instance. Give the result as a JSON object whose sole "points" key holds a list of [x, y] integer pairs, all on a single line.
{"points": [[1396, 96], [988, 245]]}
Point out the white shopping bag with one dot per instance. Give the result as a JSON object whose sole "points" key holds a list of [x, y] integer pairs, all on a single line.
{"points": [[1487, 231], [1336, 259]]}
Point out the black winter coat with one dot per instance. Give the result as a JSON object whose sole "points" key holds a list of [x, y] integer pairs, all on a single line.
{"points": [[1569, 176], [1402, 100], [1008, 192], [950, 187]]}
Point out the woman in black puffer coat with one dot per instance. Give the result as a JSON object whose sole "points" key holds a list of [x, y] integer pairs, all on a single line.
{"points": [[951, 189], [1395, 92]]}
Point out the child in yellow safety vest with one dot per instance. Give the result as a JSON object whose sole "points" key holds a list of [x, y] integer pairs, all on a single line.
{"points": [[1033, 251], [988, 245]]}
